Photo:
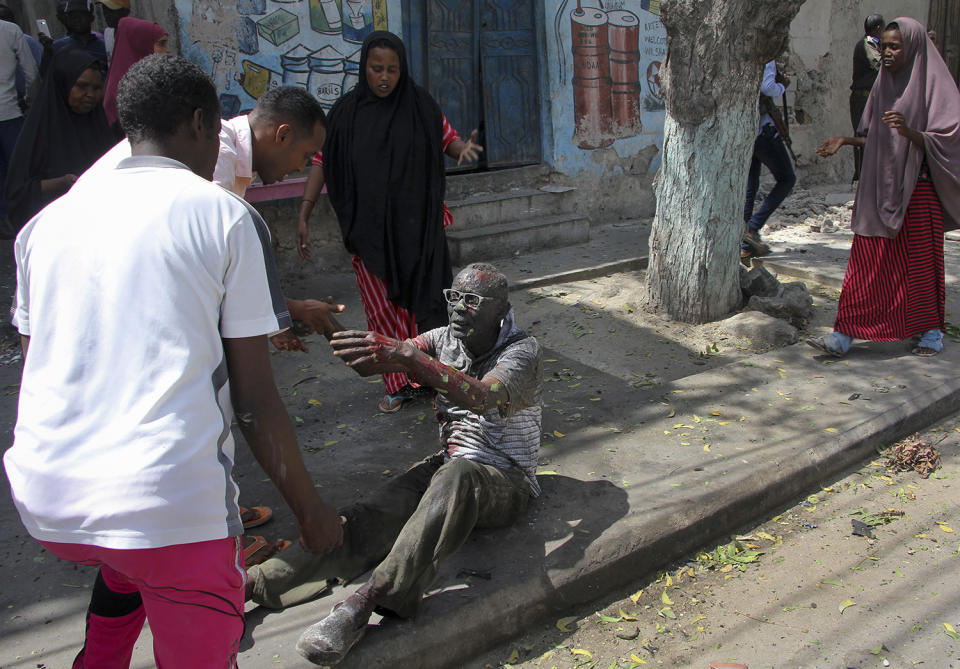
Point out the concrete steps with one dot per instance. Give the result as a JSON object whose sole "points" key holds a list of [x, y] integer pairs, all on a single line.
{"points": [[501, 241], [499, 214]]}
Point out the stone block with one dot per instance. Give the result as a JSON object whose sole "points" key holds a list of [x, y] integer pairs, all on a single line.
{"points": [[762, 331], [758, 281], [794, 303]]}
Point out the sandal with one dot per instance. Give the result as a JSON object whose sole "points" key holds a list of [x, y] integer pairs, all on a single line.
{"points": [[255, 516], [393, 403], [822, 345], [256, 549], [930, 344]]}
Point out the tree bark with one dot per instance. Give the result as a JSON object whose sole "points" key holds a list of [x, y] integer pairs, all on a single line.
{"points": [[716, 50]]}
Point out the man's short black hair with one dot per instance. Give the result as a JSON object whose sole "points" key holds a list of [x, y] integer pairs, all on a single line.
{"points": [[6, 14], [872, 23], [292, 105], [161, 92]]}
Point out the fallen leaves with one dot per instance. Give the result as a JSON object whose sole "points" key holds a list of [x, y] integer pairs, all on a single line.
{"points": [[951, 632], [564, 624], [914, 453], [846, 604]]}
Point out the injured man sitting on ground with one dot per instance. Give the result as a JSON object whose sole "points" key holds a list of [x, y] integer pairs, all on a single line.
{"points": [[487, 374]]}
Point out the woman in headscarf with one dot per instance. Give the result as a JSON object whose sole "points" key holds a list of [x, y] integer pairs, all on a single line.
{"points": [[908, 194], [383, 162], [136, 39], [65, 132]]}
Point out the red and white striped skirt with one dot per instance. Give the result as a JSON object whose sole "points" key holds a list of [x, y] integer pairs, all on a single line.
{"points": [[894, 288], [384, 316]]}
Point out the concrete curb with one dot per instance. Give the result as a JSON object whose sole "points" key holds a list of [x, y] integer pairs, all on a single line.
{"points": [[592, 272], [639, 542]]}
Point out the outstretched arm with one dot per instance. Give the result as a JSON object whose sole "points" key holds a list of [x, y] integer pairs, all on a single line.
{"points": [[371, 353], [462, 151], [266, 426], [833, 144]]}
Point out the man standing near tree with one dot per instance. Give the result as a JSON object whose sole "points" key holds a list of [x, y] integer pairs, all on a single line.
{"points": [[768, 149]]}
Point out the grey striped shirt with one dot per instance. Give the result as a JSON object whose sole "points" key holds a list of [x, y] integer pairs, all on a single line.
{"points": [[504, 439]]}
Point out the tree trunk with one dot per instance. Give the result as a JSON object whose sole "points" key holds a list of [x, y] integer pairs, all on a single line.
{"points": [[716, 50]]}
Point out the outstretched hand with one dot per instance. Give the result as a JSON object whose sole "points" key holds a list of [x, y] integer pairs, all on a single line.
{"points": [[315, 314], [829, 147], [471, 150], [356, 347]]}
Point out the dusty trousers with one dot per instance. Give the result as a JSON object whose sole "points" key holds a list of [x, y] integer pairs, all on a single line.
{"points": [[406, 528]]}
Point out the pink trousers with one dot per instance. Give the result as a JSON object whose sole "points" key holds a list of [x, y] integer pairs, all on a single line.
{"points": [[192, 594]]}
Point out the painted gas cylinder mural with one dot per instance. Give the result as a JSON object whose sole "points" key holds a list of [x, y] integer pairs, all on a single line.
{"points": [[609, 56], [250, 46]]}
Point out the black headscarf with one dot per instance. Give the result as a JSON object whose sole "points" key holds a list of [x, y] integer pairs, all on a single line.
{"points": [[55, 141], [383, 164]]}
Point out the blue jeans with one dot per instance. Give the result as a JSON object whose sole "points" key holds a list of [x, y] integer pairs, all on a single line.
{"points": [[769, 150], [9, 133]]}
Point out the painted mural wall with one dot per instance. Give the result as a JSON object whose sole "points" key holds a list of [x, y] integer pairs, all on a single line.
{"points": [[250, 46], [604, 81]]}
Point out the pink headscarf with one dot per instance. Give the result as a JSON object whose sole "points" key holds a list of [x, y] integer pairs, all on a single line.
{"points": [[923, 90], [135, 41]]}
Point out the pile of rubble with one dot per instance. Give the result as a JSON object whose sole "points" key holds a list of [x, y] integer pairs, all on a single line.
{"points": [[775, 311]]}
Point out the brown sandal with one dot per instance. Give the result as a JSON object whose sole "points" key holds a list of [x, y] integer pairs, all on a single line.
{"points": [[256, 549], [255, 516]]}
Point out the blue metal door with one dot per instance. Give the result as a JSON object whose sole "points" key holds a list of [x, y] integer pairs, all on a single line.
{"points": [[479, 61], [511, 95]]}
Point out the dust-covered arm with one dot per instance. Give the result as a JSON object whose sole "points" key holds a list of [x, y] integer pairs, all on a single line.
{"points": [[371, 353]]}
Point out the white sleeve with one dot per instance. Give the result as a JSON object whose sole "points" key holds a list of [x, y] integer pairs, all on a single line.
{"points": [[20, 312], [252, 304], [770, 87], [225, 173]]}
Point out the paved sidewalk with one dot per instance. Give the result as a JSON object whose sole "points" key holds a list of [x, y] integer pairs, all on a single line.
{"points": [[647, 476]]}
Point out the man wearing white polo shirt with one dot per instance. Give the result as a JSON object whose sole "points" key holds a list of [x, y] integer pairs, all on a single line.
{"points": [[144, 334]]}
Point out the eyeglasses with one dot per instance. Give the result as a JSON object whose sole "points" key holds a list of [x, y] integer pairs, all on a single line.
{"points": [[471, 300]]}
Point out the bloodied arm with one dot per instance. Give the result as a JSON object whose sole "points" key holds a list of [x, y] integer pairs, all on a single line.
{"points": [[370, 353]]}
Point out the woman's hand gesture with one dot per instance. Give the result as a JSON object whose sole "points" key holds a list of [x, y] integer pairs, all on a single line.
{"points": [[470, 151]]}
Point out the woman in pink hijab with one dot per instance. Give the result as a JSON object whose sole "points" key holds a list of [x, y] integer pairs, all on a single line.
{"points": [[136, 39], [909, 193]]}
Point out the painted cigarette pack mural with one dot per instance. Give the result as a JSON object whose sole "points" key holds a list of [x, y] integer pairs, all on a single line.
{"points": [[250, 46], [606, 81]]}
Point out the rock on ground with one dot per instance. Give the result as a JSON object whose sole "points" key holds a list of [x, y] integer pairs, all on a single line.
{"points": [[793, 304], [762, 331]]}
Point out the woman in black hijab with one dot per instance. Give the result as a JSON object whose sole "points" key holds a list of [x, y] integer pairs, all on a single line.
{"points": [[384, 167], [65, 132]]}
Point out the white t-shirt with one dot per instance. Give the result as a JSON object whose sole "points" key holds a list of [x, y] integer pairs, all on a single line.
{"points": [[125, 286]]}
